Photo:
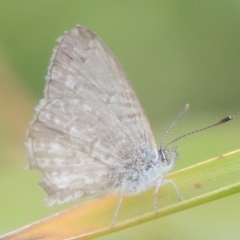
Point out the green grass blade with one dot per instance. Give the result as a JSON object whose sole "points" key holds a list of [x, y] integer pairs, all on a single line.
{"points": [[200, 183]]}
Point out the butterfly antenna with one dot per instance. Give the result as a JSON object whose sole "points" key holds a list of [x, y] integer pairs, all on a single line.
{"points": [[224, 120], [186, 107]]}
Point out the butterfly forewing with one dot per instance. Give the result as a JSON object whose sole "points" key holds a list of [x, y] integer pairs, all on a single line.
{"points": [[89, 122]]}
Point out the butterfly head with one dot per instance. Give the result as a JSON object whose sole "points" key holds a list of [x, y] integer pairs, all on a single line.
{"points": [[167, 158]]}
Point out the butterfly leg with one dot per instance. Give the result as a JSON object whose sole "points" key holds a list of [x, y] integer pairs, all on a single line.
{"points": [[116, 211], [160, 182], [167, 181]]}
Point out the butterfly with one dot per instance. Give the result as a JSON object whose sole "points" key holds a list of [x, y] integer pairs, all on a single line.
{"points": [[90, 135]]}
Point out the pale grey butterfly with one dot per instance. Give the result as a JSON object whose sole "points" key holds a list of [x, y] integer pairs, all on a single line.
{"points": [[90, 135]]}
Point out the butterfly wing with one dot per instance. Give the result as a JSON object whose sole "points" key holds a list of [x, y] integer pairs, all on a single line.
{"points": [[88, 122]]}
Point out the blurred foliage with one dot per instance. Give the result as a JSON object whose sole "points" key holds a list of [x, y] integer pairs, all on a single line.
{"points": [[173, 51]]}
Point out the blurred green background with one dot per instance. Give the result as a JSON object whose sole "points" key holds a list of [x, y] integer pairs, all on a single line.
{"points": [[174, 52]]}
